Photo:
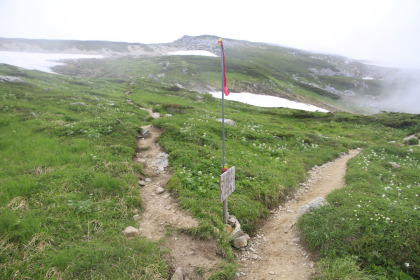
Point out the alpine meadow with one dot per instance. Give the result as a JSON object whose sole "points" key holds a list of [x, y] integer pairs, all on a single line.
{"points": [[69, 184]]}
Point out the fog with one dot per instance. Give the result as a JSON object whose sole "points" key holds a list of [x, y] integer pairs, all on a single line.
{"points": [[404, 95]]}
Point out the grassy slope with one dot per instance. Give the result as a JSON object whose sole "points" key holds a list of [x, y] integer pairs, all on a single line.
{"points": [[67, 181], [255, 67], [251, 67]]}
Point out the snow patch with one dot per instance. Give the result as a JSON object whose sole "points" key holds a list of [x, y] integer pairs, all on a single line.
{"points": [[267, 101], [193, 52], [39, 61]]}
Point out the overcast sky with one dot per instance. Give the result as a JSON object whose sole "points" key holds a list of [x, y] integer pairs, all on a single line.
{"points": [[384, 31]]}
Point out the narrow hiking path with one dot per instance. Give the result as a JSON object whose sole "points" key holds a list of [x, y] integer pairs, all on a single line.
{"points": [[276, 251], [161, 215], [160, 209]]}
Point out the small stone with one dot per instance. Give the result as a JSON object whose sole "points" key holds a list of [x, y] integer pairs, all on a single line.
{"points": [[271, 272], [229, 228], [168, 115], [10, 79], [136, 217], [130, 231], [237, 232], [168, 207], [394, 165], [145, 133], [232, 220], [343, 153], [255, 257], [78, 103], [178, 275], [159, 190], [141, 183], [314, 204], [228, 122], [148, 180], [240, 242]]}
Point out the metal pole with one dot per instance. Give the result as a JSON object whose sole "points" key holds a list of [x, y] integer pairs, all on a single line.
{"points": [[225, 202], [223, 111]]}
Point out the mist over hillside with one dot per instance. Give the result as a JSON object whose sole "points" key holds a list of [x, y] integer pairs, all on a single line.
{"points": [[328, 81]]}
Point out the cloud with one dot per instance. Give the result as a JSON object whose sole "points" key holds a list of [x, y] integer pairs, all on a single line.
{"points": [[376, 30]]}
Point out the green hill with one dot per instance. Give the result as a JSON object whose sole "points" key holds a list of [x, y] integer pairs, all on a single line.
{"points": [[332, 82]]}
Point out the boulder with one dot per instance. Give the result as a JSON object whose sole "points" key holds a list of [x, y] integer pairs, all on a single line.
{"points": [[314, 204]]}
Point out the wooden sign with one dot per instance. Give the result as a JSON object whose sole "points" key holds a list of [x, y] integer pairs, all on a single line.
{"points": [[227, 183]]}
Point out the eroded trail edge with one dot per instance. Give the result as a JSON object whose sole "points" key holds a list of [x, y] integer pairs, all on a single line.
{"points": [[161, 215], [276, 251]]}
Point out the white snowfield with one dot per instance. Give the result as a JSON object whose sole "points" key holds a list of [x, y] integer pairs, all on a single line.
{"points": [[192, 52], [39, 61], [267, 101]]}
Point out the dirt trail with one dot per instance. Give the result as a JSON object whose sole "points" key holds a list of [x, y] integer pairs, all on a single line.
{"points": [[198, 258], [159, 209], [276, 251]]}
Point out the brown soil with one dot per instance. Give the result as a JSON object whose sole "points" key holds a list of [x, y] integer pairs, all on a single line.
{"points": [[276, 251], [161, 215]]}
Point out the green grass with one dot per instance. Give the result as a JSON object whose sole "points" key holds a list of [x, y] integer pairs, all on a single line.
{"points": [[375, 217], [67, 183], [345, 268]]}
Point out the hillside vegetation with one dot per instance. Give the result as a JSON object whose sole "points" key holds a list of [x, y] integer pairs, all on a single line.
{"points": [[68, 186], [332, 82]]}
